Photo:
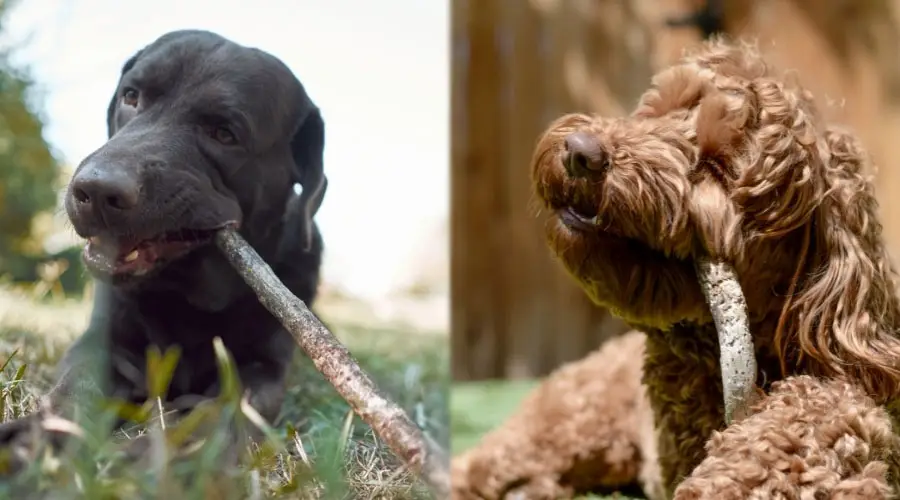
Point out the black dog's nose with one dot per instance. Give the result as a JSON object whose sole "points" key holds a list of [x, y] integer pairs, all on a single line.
{"points": [[584, 154], [106, 189]]}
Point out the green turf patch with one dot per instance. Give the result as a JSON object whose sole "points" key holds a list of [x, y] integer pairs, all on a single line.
{"points": [[478, 407]]}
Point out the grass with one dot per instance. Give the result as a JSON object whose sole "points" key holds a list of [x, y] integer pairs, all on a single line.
{"points": [[318, 449], [478, 407]]}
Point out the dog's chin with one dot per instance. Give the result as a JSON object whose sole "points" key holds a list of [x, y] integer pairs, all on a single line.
{"points": [[638, 283], [123, 261]]}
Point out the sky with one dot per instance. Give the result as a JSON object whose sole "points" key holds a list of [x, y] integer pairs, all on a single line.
{"points": [[378, 70]]}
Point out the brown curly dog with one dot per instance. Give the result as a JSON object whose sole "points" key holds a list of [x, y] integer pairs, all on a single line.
{"points": [[723, 159]]}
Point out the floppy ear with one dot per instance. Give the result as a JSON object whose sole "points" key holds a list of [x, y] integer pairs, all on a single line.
{"points": [[782, 180], [111, 109], [308, 147], [843, 315]]}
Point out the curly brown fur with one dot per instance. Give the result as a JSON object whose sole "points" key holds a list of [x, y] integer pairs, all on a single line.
{"points": [[541, 453], [724, 159], [809, 438]]}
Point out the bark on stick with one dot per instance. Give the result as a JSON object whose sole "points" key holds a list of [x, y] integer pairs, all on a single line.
{"points": [[333, 360], [737, 356]]}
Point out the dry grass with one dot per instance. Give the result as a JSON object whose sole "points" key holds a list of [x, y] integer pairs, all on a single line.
{"points": [[319, 449]]}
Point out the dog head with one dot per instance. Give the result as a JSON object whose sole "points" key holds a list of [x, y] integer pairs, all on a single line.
{"points": [[723, 160], [203, 134]]}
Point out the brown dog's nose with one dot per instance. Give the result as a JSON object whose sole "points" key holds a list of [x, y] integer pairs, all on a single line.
{"points": [[584, 154], [105, 189]]}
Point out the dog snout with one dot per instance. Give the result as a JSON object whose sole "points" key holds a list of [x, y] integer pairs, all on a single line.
{"points": [[584, 154], [105, 190]]}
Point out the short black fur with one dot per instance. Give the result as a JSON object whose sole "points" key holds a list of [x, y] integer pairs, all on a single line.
{"points": [[168, 166]]}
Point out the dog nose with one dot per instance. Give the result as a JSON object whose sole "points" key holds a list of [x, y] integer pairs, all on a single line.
{"points": [[584, 154], [105, 189]]}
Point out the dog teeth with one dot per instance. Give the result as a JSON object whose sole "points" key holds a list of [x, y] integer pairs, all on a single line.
{"points": [[596, 220], [131, 257]]}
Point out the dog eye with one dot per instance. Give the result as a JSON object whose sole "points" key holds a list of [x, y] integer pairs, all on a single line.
{"points": [[224, 136], [130, 97]]}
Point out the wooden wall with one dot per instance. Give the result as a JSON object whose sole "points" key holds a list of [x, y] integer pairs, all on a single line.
{"points": [[517, 64]]}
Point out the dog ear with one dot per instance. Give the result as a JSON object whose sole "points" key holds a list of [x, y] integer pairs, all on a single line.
{"points": [[111, 109], [308, 148], [781, 180], [842, 316]]}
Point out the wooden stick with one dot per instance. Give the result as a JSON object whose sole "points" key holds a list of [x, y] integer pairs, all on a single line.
{"points": [[737, 356], [334, 361]]}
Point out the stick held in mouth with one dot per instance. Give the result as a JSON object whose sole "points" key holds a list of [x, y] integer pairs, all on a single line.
{"points": [[334, 361], [737, 358]]}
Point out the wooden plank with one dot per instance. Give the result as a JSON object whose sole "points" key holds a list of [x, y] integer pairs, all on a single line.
{"points": [[527, 327], [477, 122]]}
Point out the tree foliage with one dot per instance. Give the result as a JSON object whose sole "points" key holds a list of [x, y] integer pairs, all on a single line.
{"points": [[28, 168]]}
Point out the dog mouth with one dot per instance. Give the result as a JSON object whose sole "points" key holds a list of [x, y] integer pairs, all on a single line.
{"points": [[632, 277], [581, 219], [120, 256]]}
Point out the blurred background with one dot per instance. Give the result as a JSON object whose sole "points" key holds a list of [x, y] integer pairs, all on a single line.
{"points": [[515, 315], [378, 71]]}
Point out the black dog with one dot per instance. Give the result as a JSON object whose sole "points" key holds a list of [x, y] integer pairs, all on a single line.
{"points": [[203, 134]]}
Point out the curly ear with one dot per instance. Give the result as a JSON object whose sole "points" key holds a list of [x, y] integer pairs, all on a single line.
{"points": [[782, 180], [843, 315], [308, 148], [111, 108]]}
